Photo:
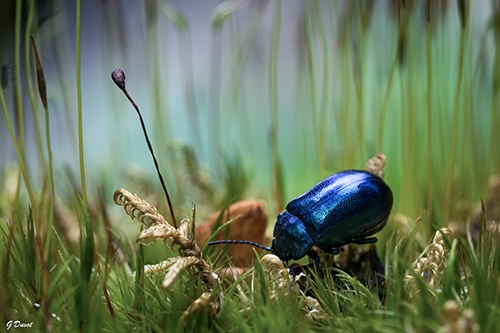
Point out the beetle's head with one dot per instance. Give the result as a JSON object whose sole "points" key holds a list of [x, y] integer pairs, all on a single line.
{"points": [[291, 239]]}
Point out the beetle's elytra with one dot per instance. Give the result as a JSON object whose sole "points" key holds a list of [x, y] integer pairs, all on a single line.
{"points": [[346, 207]]}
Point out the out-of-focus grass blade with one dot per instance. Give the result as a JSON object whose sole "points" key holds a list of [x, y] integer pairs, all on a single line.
{"points": [[224, 10], [174, 15]]}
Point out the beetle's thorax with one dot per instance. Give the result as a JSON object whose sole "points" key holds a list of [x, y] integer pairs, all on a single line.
{"points": [[291, 239]]}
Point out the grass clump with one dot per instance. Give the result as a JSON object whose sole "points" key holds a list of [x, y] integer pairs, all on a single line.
{"points": [[452, 285]]}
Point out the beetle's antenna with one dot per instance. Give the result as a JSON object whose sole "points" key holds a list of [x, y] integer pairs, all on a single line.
{"points": [[118, 77], [230, 241]]}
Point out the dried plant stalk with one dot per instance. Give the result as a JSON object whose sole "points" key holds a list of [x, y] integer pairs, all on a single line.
{"points": [[281, 280], [456, 322], [138, 209], [202, 303], [154, 232], [176, 268], [159, 268], [182, 238], [432, 263], [376, 165], [313, 309], [279, 277]]}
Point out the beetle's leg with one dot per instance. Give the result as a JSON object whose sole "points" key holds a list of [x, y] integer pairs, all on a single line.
{"points": [[294, 271], [314, 256], [368, 240], [337, 250]]}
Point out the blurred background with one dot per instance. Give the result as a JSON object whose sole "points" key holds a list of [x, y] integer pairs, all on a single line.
{"points": [[253, 99]]}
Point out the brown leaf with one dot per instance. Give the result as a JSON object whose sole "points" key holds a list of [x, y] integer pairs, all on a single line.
{"points": [[231, 274], [251, 225]]}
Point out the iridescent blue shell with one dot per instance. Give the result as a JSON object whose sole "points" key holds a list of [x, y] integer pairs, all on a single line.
{"points": [[344, 208]]}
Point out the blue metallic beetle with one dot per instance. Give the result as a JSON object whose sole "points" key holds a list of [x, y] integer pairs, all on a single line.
{"points": [[346, 207]]}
